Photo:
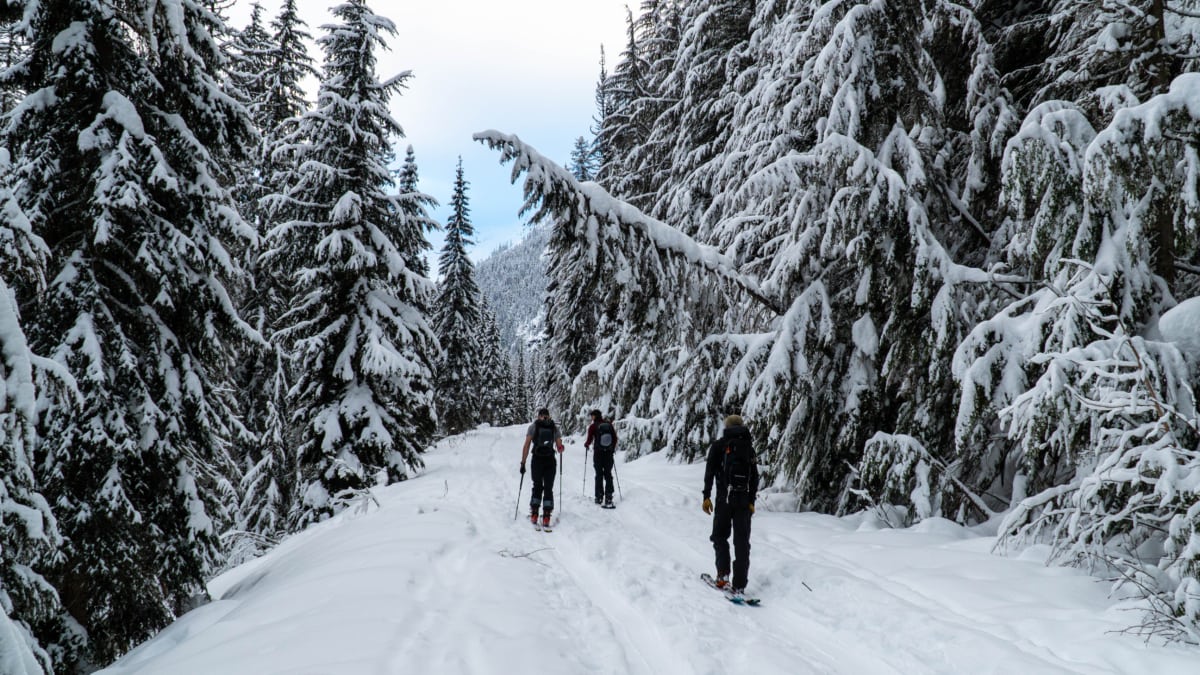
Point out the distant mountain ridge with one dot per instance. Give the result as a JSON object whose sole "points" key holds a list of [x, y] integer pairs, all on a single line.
{"points": [[513, 282]]}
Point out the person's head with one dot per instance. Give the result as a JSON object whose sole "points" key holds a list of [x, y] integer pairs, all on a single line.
{"points": [[596, 415], [734, 421], [543, 413]]}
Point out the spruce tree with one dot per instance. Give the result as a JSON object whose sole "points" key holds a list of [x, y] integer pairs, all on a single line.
{"points": [[28, 531], [522, 408], [496, 392], [272, 479], [416, 222], [583, 161], [249, 62], [121, 150], [458, 319], [289, 65], [363, 351]]}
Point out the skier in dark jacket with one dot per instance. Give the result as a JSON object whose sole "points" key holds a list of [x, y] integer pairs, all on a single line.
{"points": [[604, 435], [542, 438], [732, 467]]}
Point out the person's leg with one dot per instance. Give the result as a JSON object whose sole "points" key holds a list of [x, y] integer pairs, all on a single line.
{"points": [[598, 465], [720, 537], [741, 518], [537, 477], [549, 466], [606, 472]]}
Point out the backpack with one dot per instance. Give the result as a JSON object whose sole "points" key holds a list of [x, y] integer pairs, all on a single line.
{"points": [[543, 438], [606, 437], [739, 464]]}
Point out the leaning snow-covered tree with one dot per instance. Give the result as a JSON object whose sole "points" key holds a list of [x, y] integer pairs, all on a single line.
{"points": [[363, 350], [121, 148]]}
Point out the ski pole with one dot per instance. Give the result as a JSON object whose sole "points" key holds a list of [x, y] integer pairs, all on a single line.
{"points": [[519, 486], [583, 491], [558, 519], [617, 477]]}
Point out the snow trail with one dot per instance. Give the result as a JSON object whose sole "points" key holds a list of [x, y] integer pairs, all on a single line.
{"points": [[440, 579]]}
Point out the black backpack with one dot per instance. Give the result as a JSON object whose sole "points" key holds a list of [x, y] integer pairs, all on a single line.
{"points": [[739, 464], [543, 438], [606, 437]]}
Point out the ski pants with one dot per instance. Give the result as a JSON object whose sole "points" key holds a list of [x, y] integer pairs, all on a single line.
{"points": [[602, 462], [541, 471], [732, 514]]}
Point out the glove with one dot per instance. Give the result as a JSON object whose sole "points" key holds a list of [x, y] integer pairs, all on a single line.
{"points": [[752, 508], [522, 468], [707, 506]]}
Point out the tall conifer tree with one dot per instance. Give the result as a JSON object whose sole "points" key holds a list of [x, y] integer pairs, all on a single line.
{"points": [[28, 531], [458, 319], [362, 349], [122, 148]]}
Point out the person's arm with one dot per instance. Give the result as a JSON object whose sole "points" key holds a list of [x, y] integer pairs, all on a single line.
{"points": [[558, 439], [525, 449], [710, 470], [753, 483]]}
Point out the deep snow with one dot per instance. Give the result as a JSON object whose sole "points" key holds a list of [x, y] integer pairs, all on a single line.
{"points": [[440, 579]]}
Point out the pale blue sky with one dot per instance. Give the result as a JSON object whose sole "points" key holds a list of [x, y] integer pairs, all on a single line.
{"points": [[527, 67]]}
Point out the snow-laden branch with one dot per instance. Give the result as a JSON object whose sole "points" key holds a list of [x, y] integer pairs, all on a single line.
{"points": [[550, 188]]}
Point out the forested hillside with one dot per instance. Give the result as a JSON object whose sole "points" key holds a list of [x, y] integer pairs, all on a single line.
{"points": [[923, 246], [513, 282]]}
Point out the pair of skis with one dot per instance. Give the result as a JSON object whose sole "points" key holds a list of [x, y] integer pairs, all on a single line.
{"points": [[735, 598]]}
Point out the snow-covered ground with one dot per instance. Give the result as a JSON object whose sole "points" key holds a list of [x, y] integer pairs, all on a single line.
{"points": [[440, 579]]}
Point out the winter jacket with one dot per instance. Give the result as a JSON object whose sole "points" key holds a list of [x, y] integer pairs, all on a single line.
{"points": [[714, 467]]}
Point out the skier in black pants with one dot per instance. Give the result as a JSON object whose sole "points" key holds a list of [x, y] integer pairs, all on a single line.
{"points": [[604, 435], [731, 463], [542, 437]]}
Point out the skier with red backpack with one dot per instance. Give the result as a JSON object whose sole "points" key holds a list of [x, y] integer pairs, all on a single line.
{"points": [[733, 468], [604, 435], [541, 440]]}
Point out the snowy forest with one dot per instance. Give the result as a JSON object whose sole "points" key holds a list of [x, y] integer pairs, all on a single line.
{"points": [[942, 256], [217, 318]]}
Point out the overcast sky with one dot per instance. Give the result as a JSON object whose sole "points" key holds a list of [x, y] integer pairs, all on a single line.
{"points": [[527, 67]]}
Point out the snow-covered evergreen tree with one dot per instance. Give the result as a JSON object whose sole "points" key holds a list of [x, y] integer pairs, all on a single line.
{"points": [[603, 99], [121, 149], [251, 51], [249, 62], [363, 351], [458, 319], [1051, 370], [496, 391], [289, 65], [583, 161], [417, 222], [522, 401], [28, 531], [272, 480]]}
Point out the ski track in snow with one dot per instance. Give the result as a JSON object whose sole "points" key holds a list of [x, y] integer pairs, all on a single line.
{"points": [[441, 579]]}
